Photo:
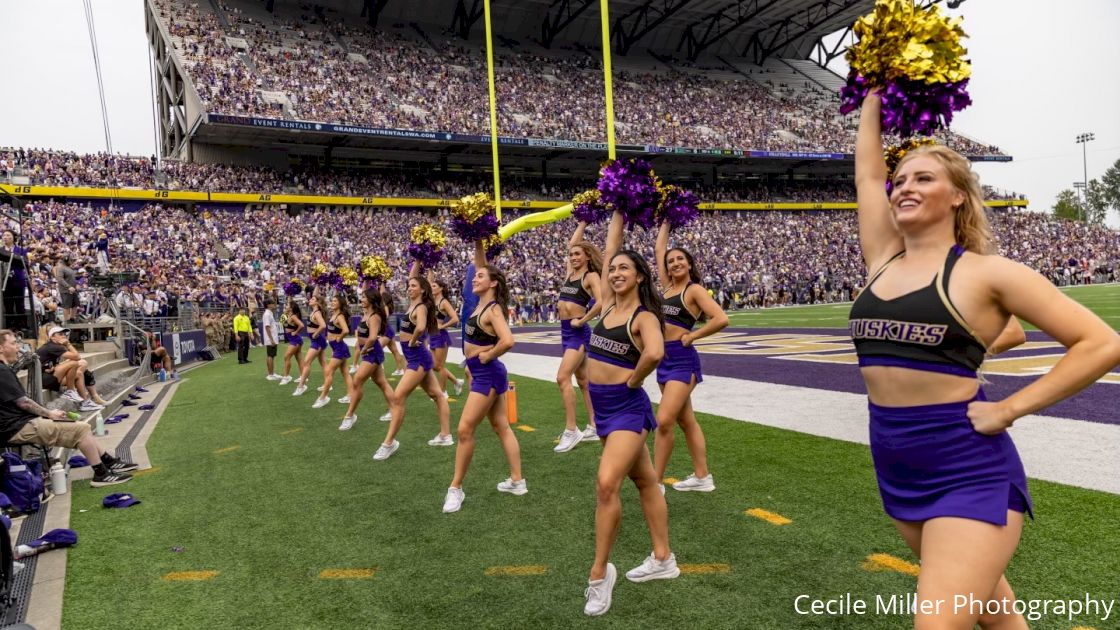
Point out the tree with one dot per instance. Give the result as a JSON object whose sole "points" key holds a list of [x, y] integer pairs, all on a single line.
{"points": [[1067, 206], [1110, 183], [1096, 202]]}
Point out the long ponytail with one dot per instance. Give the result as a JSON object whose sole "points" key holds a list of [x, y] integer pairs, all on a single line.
{"points": [[429, 302], [501, 291]]}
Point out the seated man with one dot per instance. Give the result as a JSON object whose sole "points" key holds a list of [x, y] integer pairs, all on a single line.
{"points": [[160, 357], [23, 421], [64, 367]]}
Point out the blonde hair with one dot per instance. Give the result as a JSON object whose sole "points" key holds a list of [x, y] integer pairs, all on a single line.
{"points": [[594, 256], [971, 227]]}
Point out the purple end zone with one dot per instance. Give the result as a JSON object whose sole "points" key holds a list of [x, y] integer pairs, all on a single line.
{"points": [[1097, 403]]}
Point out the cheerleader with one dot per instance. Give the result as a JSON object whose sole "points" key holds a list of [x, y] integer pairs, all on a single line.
{"points": [[679, 372], [579, 303], [418, 323], [293, 331], [317, 331], [441, 341], [337, 329], [368, 347], [936, 299], [389, 339], [487, 336], [624, 349]]}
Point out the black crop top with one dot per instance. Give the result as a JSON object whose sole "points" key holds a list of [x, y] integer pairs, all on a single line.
{"points": [[921, 330], [407, 327], [332, 329], [363, 330], [573, 291], [291, 326], [473, 330], [442, 317], [615, 345], [675, 311]]}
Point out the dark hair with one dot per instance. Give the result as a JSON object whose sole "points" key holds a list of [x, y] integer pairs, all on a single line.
{"points": [[429, 302], [444, 289], [294, 306], [693, 270], [373, 296], [343, 307], [501, 291], [647, 296]]}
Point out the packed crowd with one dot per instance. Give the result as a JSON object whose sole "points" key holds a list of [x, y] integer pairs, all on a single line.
{"points": [[314, 69], [218, 259]]}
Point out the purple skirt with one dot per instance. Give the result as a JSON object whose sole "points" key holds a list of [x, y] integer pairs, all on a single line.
{"points": [[679, 364], [319, 342], [572, 338], [930, 462], [418, 357], [295, 339], [339, 350], [390, 333], [620, 408], [442, 339], [488, 376], [376, 354]]}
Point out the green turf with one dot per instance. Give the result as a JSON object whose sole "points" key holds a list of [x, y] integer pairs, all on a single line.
{"points": [[272, 514], [1104, 300]]}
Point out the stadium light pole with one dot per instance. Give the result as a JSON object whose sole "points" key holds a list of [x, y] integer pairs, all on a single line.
{"points": [[1084, 139]]}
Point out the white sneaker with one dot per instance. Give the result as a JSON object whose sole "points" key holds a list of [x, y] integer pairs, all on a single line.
{"points": [[696, 484], [347, 422], [89, 405], [345, 400], [598, 593], [387, 416], [442, 440], [446, 395], [661, 487], [654, 569], [459, 388], [272, 377], [568, 441], [454, 500], [300, 389], [320, 388], [399, 372], [513, 487], [385, 450], [321, 402], [285, 380], [589, 434], [72, 394], [353, 369]]}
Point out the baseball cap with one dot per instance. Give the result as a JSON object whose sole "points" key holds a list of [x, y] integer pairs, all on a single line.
{"points": [[58, 329]]}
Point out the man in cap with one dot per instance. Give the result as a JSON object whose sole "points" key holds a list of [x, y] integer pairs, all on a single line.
{"points": [[64, 368]]}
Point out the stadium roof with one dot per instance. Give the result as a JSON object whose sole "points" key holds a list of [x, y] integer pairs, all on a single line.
{"points": [[756, 29]]}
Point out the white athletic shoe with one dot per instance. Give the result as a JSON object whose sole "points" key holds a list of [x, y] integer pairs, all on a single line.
{"points": [[89, 405], [386, 450], [568, 441], [454, 500], [345, 400], [442, 440], [321, 402], [300, 389], [589, 434], [353, 369], [446, 395], [513, 487], [72, 394], [696, 484], [284, 380], [661, 487], [654, 569], [399, 372], [598, 593], [320, 388], [387, 416], [459, 388], [273, 377], [347, 422]]}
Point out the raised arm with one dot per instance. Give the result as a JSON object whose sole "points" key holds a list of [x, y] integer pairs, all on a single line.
{"points": [[717, 319], [614, 243], [414, 270], [479, 255], [577, 237], [660, 248], [878, 237]]}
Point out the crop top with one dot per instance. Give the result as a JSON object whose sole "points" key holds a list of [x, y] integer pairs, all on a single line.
{"points": [[920, 330], [473, 330], [573, 291], [675, 311], [615, 345]]}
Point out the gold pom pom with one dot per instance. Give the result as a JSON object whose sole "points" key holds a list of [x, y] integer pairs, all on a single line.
{"points": [[318, 270], [590, 197], [375, 267], [899, 40], [893, 155], [429, 233], [473, 207], [349, 276]]}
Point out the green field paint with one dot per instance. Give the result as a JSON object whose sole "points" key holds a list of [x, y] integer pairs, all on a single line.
{"points": [[516, 570], [190, 576], [346, 574], [770, 517], [885, 562], [228, 449]]}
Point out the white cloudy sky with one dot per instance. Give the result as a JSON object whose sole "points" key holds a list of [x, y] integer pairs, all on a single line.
{"points": [[1044, 71]]}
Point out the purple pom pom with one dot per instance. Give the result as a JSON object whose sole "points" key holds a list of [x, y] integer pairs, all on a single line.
{"points": [[426, 253], [292, 289], [630, 187], [484, 226], [680, 206], [910, 108]]}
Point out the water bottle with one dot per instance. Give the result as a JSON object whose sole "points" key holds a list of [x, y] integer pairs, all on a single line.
{"points": [[99, 424], [58, 479], [163, 375]]}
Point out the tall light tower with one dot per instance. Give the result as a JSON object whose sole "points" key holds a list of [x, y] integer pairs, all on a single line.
{"points": [[1084, 139]]}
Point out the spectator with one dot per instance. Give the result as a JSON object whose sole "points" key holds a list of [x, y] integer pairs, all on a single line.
{"points": [[243, 328], [67, 288], [271, 332], [64, 368]]}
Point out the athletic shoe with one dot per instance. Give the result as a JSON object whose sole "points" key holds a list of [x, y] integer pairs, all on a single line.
{"points": [[347, 422], [568, 441], [442, 440], [598, 593], [89, 405], [109, 479], [319, 388], [458, 388], [345, 400], [399, 372], [321, 402], [353, 369], [72, 394], [300, 389], [661, 487], [696, 484], [284, 380], [454, 500], [273, 377], [121, 466], [387, 416], [445, 394], [386, 450], [513, 487], [654, 569], [589, 434]]}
